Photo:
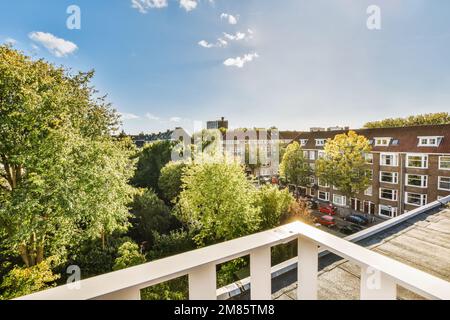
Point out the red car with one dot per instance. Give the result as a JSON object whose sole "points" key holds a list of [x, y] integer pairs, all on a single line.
{"points": [[326, 221], [330, 210]]}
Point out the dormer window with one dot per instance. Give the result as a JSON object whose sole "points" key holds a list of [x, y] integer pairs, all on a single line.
{"points": [[429, 141], [303, 142], [320, 142], [382, 142]]}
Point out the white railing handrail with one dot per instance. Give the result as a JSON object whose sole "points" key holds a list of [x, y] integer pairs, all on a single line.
{"points": [[155, 272]]}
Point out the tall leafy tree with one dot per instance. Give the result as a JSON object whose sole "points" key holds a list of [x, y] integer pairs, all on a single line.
{"points": [[415, 120], [344, 165], [63, 177], [274, 204], [152, 159], [170, 180], [294, 167], [217, 202]]}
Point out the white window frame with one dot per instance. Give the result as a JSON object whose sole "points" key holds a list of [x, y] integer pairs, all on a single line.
{"points": [[312, 192], [327, 195], [395, 159], [427, 141], [312, 155], [382, 141], [393, 211], [440, 162], [369, 191], [423, 199], [303, 142], [424, 160], [321, 154], [394, 176], [439, 183], [394, 194], [369, 158], [321, 142], [339, 203], [423, 180]]}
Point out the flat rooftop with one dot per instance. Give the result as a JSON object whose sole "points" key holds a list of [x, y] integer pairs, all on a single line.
{"points": [[422, 242]]}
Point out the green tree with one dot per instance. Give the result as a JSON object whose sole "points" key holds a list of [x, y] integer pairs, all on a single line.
{"points": [[344, 165], [149, 215], [128, 256], [217, 203], [63, 177], [152, 159], [294, 166], [23, 281], [274, 205], [170, 180], [415, 120]]}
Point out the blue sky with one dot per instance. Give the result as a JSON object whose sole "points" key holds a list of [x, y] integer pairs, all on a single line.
{"points": [[303, 63]]}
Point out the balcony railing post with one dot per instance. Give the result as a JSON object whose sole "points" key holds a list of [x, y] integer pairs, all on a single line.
{"points": [[260, 274], [376, 285], [308, 260], [202, 283]]}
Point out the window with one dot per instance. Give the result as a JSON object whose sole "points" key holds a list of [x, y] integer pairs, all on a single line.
{"points": [[389, 177], [320, 154], [444, 162], [312, 166], [382, 142], [444, 183], [388, 194], [417, 161], [387, 211], [368, 191], [305, 154], [389, 159], [322, 183], [415, 199], [369, 158], [303, 142], [312, 192], [325, 196], [312, 155], [415, 180], [429, 141], [312, 181], [320, 142], [339, 200], [369, 174]]}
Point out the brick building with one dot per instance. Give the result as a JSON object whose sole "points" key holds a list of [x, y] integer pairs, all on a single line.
{"points": [[410, 167]]}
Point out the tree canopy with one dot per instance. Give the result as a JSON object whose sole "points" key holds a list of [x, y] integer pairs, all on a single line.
{"points": [[344, 164], [415, 120], [63, 177], [294, 166]]}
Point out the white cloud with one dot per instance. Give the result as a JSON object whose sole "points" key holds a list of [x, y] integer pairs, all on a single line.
{"points": [[188, 5], [56, 46], [10, 41], [239, 35], [239, 62], [175, 119], [128, 116], [151, 116], [219, 44], [230, 18], [144, 5]]}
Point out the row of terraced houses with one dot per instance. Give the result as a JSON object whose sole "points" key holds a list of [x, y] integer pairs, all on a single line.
{"points": [[409, 166]]}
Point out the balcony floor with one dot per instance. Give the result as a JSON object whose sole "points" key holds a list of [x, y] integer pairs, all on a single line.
{"points": [[422, 242]]}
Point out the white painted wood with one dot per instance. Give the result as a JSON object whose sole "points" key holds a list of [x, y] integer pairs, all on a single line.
{"points": [[376, 285], [260, 274], [125, 294], [202, 283], [308, 260]]}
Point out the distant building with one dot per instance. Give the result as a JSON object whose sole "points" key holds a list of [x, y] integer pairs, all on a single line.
{"points": [[143, 139], [217, 124]]}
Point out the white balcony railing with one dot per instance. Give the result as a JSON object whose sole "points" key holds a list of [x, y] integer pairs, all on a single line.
{"points": [[380, 275]]}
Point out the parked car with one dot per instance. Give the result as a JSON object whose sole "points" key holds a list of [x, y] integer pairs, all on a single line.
{"points": [[350, 229], [362, 217], [329, 209], [356, 219], [326, 220]]}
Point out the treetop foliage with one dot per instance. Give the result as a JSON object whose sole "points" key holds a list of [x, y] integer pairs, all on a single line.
{"points": [[416, 120]]}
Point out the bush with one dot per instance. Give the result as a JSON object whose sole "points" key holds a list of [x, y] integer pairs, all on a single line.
{"points": [[274, 205]]}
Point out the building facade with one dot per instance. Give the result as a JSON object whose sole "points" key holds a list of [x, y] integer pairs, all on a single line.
{"points": [[409, 166]]}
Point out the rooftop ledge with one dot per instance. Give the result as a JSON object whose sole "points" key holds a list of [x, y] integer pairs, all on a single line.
{"points": [[379, 277]]}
